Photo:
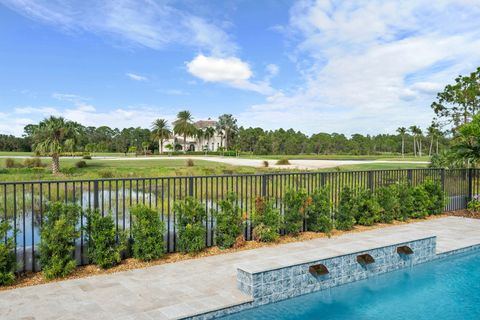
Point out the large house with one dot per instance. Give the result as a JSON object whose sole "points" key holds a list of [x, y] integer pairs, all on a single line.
{"points": [[195, 143]]}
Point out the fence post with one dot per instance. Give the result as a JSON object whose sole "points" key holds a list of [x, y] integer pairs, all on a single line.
{"points": [[264, 186], [95, 194], [370, 180], [470, 184], [190, 186], [409, 176]]}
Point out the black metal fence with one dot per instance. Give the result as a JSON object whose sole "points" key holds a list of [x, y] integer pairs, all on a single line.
{"points": [[23, 203]]}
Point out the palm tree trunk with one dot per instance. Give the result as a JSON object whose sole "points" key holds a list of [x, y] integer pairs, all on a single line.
{"points": [[437, 145], [55, 164], [431, 147], [184, 143], [414, 147], [161, 146], [403, 146], [420, 147]]}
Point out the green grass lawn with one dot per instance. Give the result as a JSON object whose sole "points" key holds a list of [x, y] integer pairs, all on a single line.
{"points": [[378, 166], [390, 157]]}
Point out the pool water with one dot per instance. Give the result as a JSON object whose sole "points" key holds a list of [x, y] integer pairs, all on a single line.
{"points": [[445, 289]]}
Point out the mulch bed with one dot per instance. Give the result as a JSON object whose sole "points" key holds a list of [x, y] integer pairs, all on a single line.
{"points": [[464, 213], [36, 278]]}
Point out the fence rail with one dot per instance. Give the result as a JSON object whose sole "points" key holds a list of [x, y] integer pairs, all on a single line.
{"points": [[23, 203]]}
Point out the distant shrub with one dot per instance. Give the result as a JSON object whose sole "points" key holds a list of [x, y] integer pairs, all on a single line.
{"points": [[229, 222], [104, 247], [57, 236], [266, 221], [190, 163], [106, 174], [33, 163], [10, 163], [318, 212], [8, 263], [87, 157], [191, 215], [147, 233], [80, 164], [367, 210], [265, 164], [388, 200], [283, 162], [344, 217], [295, 202]]}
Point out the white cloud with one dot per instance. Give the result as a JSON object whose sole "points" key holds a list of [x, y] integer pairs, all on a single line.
{"points": [[150, 24], [231, 71], [371, 66], [136, 77], [272, 69]]}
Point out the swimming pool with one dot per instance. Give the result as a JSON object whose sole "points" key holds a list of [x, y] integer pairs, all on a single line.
{"points": [[444, 289]]}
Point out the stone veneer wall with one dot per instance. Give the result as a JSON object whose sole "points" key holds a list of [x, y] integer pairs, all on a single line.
{"points": [[283, 283]]}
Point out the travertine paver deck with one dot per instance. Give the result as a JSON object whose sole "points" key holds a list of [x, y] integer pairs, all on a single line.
{"points": [[195, 286]]}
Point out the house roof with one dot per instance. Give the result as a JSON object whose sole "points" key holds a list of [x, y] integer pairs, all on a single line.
{"points": [[202, 124]]}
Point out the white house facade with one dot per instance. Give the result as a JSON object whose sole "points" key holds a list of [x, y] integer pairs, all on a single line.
{"points": [[195, 143]]}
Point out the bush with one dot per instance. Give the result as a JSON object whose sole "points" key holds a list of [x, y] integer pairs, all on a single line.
{"points": [[190, 163], [147, 233], [103, 248], [191, 231], [283, 162], [265, 164], [106, 174], [344, 218], [33, 163], [295, 203], [266, 221], [57, 236], [437, 196], [87, 157], [474, 204], [367, 209], [405, 201], [80, 164], [318, 213], [421, 202], [10, 163], [387, 198], [8, 261], [229, 222]]}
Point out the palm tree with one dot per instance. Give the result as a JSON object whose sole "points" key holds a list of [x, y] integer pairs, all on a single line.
{"points": [[200, 134], [50, 137], [402, 131], [414, 130], [432, 132], [161, 132], [228, 124], [419, 140], [184, 126], [208, 134]]}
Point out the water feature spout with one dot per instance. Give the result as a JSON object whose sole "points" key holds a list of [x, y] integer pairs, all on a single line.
{"points": [[365, 259], [404, 250], [318, 270]]}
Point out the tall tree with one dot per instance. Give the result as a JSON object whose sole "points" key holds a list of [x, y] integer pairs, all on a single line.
{"points": [[459, 102], [402, 131], [161, 132], [208, 134], [184, 126], [228, 124], [414, 131], [50, 137], [432, 133]]}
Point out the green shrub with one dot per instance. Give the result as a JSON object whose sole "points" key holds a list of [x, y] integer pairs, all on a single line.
{"points": [[344, 218], [191, 215], [8, 261], [265, 163], [283, 162], [103, 248], [80, 164], [33, 163], [190, 163], [229, 222], [10, 163], [57, 236], [437, 196], [405, 200], [147, 233], [387, 198], [474, 204], [294, 202], [318, 211], [87, 157], [105, 174], [421, 202], [266, 221], [367, 208]]}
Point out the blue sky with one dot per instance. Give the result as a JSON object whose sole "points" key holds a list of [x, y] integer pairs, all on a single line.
{"points": [[316, 66]]}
